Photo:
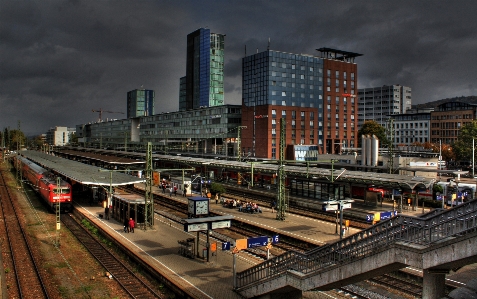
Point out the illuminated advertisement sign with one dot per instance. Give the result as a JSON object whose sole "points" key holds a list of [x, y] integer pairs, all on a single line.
{"points": [[305, 152]]}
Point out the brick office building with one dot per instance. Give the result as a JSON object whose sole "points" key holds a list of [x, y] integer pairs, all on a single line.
{"points": [[448, 118], [314, 95]]}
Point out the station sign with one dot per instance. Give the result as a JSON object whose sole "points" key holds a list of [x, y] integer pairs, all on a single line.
{"points": [[423, 164], [221, 224], [274, 240], [329, 207], [381, 216], [226, 246], [196, 227], [346, 206], [257, 242]]}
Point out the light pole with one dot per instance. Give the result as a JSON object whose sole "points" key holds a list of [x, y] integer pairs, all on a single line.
{"points": [[400, 201], [440, 157]]}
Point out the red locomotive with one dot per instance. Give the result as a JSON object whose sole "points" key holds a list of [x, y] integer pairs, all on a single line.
{"points": [[45, 184]]}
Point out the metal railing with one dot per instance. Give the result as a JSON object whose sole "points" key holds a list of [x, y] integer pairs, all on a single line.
{"points": [[405, 229]]}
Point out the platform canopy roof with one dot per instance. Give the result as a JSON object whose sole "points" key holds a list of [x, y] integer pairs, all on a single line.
{"points": [[108, 159], [80, 172], [304, 170]]}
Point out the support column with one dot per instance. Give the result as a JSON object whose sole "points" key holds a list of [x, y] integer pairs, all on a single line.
{"points": [[433, 285]]}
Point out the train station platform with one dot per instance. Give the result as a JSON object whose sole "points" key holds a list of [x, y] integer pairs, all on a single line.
{"points": [[159, 247], [213, 279]]}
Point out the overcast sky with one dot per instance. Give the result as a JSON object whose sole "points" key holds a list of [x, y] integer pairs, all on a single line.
{"points": [[61, 59]]}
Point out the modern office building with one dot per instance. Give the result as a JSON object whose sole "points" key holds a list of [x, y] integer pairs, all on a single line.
{"points": [[140, 103], [278, 85], [412, 127], [211, 130], [340, 83], [448, 118], [204, 80], [59, 136], [378, 103]]}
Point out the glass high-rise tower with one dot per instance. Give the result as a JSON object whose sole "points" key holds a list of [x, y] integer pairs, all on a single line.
{"points": [[204, 80], [140, 102]]}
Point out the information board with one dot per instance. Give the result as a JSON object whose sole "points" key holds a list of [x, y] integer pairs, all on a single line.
{"points": [[196, 227], [221, 224], [257, 242]]}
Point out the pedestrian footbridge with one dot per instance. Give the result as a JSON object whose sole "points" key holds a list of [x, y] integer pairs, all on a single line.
{"points": [[437, 242]]}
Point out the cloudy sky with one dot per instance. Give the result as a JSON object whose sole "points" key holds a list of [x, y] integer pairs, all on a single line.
{"points": [[61, 59]]}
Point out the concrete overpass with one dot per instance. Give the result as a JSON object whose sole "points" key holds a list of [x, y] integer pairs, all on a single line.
{"points": [[437, 243]]}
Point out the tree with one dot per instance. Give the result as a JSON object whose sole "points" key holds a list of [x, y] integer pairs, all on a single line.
{"points": [[462, 147], [37, 142], [217, 188], [371, 127], [17, 139]]}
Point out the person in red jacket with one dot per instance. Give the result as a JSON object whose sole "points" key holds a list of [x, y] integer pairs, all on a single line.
{"points": [[131, 225]]}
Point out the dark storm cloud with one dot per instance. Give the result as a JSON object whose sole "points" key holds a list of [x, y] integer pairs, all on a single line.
{"points": [[61, 59]]}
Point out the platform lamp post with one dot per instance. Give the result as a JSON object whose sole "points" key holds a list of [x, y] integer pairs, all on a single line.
{"points": [[400, 201]]}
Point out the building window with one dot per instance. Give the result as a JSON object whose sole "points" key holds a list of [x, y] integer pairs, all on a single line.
{"points": [[293, 76], [293, 66], [311, 69], [302, 77], [284, 93], [284, 103]]}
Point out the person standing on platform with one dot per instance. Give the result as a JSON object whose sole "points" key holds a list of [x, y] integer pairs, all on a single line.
{"points": [[170, 191], [273, 206], [131, 225], [175, 191], [126, 225], [216, 198]]}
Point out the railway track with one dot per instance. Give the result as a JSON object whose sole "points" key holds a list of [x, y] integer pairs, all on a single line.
{"points": [[401, 285], [28, 279], [131, 283], [357, 218]]}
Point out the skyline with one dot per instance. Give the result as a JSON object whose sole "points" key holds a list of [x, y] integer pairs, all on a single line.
{"points": [[62, 59]]}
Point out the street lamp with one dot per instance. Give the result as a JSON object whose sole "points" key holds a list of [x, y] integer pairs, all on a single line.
{"points": [[400, 201]]}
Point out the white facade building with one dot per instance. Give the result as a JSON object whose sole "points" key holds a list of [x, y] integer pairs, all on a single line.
{"points": [[378, 103], [412, 127], [59, 136]]}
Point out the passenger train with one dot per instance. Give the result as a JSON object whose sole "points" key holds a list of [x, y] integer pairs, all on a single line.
{"points": [[45, 183]]}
